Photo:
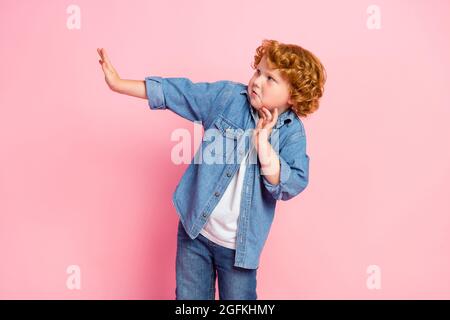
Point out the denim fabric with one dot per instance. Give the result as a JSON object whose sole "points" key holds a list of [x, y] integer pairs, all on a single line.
{"points": [[199, 261], [224, 106]]}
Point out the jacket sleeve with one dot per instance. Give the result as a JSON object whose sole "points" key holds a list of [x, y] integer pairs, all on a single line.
{"points": [[192, 101], [294, 169]]}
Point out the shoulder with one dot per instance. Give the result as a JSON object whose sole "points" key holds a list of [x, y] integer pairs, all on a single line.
{"points": [[229, 86], [234, 87], [232, 91], [293, 126], [298, 127]]}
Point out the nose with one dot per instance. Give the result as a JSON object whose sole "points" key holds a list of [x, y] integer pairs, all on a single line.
{"points": [[256, 82]]}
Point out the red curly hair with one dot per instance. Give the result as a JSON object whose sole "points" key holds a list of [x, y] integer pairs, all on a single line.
{"points": [[300, 68]]}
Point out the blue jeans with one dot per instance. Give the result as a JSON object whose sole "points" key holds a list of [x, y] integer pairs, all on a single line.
{"points": [[197, 263]]}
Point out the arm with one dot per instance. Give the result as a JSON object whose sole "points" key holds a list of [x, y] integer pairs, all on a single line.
{"points": [[270, 162], [292, 175], [285, 173], [268, 158], [192, 101], [135, 88]]}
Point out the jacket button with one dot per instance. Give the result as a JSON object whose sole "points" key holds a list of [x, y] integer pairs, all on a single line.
{"points": [[228, 174], [216, 193], [205, 214]]}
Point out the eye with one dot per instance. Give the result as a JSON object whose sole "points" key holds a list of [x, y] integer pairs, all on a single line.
{"points": [[269, 77]]}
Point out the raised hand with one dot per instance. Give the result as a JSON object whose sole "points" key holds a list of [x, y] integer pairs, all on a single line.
{"points": [[111, 75], [267, 121]]}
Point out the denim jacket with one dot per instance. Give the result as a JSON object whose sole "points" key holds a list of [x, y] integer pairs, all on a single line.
{"points": [[225, 107]]}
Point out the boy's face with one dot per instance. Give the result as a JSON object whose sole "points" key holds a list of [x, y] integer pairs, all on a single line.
{"points": [[267, 89]]}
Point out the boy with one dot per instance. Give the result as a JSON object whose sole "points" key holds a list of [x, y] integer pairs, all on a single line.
{"points": [[226, 207]]}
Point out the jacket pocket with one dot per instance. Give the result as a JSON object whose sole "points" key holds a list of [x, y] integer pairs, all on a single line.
{"points": [[221, 139]]}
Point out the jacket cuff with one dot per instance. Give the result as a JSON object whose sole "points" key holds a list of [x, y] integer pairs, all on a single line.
{"points": [[155, 94], [285, 173]]}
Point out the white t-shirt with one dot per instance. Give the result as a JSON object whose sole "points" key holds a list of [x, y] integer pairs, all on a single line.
{"points": [[221, 226]]}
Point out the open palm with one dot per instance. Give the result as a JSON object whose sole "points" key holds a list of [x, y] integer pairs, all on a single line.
{"points": [[111, 75]]}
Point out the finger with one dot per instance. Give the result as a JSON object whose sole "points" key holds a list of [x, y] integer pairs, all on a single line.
{"points": [[255, 141], [101, 54], [275, 117], [102, 64], [275, 111], [263, 114], [255, 136], [105, 56], [260, 113], [268, 114], [260, 123]]}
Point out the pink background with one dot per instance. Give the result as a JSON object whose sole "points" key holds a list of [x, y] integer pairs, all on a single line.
{"points": [[86, 177]]}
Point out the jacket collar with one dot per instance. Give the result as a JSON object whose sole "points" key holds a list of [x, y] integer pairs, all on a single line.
{"points": [[286, 117]]}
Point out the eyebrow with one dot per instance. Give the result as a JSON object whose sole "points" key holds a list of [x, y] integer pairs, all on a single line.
{"points": [[270, 73]]}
